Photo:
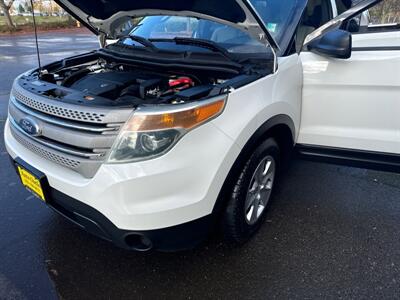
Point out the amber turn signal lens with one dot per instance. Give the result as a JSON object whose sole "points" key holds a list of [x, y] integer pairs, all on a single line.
{"points": [[185, 119]]}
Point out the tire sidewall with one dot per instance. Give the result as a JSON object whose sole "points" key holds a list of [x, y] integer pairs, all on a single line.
{"points": [[235, 211]]}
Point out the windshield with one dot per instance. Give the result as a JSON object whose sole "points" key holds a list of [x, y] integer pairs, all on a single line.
{"points": [[158, 28], [281, 17]]}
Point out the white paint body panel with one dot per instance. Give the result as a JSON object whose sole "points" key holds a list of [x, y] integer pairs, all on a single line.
{"points": [[251, 106], [379, 39], [353, 103], [183, 185], [176, 188]]}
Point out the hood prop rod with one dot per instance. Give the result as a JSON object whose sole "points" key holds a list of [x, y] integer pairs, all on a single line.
{"points": [[36, 40]]}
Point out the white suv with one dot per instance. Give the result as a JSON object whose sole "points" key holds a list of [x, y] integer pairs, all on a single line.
{"points": [[182, 123]]}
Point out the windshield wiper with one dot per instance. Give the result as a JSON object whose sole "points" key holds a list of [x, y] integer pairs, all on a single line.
{"points": [[141, 40], [199, 43]]}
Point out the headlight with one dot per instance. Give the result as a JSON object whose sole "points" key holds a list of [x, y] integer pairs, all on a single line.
{"points": [[153, 131]]}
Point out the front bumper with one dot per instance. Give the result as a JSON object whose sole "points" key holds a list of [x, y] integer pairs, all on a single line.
{"points": [[177, 188], [176, 238], [180, 237]]}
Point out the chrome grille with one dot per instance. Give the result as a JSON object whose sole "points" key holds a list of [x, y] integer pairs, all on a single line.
{"points": [[58, 111], [51, 144], [66, 162], [71, 136]]}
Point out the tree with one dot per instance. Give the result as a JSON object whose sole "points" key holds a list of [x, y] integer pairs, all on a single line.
{"points": [[38, 5], [386, 12], [5, 7]]}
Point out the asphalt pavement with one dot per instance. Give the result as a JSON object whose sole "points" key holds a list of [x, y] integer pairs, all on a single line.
{"points": [[332, 232]]}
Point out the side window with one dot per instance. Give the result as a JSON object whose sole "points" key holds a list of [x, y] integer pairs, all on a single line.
{"points": [[386, 15], [383, 17]]}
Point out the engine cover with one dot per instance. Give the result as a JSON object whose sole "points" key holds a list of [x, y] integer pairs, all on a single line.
{"points": [[105, 84]]}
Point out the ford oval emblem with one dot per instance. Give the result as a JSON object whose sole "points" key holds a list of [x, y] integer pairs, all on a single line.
{"points": [[30, 126]]}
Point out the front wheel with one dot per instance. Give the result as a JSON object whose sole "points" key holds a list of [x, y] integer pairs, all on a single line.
{"points": [[251, 193]]}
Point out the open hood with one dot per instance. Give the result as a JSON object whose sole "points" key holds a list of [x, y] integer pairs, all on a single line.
{"points": [[104, 16]]}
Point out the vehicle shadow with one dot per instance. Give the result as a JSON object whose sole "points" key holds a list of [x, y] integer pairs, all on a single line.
{"points": [[83, 266], [318, 242]]}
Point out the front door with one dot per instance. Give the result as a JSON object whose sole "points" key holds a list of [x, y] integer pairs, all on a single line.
{"points": [[353, 105]]}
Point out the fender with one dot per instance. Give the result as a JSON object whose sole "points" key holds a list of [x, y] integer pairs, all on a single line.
{"points": [[282, 128]]}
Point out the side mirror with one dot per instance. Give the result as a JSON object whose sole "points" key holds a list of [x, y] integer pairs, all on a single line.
{"points": [[335, 43]]}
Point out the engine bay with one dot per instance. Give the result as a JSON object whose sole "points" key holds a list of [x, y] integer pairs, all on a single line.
{"points": [[122, 84], [94, 80]]}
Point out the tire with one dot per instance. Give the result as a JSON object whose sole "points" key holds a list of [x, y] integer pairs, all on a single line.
{"points": [[251, 194]]}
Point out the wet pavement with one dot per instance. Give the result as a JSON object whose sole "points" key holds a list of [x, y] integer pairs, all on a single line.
{"points": [[18, 54], [332, 232]]}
